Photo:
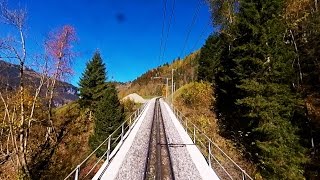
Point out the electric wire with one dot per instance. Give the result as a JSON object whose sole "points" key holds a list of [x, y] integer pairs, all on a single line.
{"points": [[195, 15], [204, 30], [168, 30], [163, 25]]}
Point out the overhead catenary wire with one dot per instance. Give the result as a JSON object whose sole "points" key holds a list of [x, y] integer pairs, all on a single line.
{"points": [[163, 26], [168, 29], [195, 16], [204, 30]]}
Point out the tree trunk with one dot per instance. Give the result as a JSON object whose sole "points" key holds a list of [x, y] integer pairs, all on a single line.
{"points": [[22, 141], [23, 129]]}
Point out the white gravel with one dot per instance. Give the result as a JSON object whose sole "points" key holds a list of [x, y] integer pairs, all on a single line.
{"points": [[133, 166], [188, 156], [135, 98], [183, 166], [187, 164]]}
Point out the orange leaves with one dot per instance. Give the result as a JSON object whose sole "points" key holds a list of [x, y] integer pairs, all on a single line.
{"points": [[60, 42], [59, 47], [297, 10]]}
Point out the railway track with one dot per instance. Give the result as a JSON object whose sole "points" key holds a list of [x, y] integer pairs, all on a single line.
{"points": [[158, 166]]}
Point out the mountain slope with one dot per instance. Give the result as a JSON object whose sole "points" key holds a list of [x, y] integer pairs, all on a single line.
{"points": [[9, 81], [146, 85]]}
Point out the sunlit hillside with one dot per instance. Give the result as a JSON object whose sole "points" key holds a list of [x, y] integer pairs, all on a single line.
{"points": [[185, 71]]}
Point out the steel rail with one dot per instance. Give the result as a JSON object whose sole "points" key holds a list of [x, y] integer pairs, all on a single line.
{"points": [[166, 143], [158, 142], [148, 158], [157, 139]]}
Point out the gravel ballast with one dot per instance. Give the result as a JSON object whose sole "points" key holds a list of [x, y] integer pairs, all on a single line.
{"points": [[183, 166], [133, 166], [187, 161]]}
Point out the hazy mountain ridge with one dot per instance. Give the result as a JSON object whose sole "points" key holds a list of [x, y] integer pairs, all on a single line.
{"points": [[9, 80]]}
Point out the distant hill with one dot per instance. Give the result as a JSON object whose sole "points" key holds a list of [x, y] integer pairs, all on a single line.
{"points": [[185, 72], [9, 80]]}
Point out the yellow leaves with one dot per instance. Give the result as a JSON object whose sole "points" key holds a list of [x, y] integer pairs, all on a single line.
{"points": [[197, 95], [28, 98], [297, 11], [164, 91]]}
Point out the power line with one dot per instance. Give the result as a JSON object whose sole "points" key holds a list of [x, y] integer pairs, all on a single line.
{"points": [[163, 24], [190, 27], [168, 30], [204, 30]]}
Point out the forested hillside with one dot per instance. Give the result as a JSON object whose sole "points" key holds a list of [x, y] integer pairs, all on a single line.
{"points": [[264, 65], [185, 71]]}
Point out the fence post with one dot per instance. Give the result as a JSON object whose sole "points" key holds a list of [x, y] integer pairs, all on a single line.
{"points": [[194, 134], [76, 177], [109, 148], [243, 176], [209, 154], [186, 124], [122, 131], [130, 120]]}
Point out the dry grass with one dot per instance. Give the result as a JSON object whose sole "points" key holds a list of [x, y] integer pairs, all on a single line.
{"points": [[7, 170], [71, 148], [74, 147]]}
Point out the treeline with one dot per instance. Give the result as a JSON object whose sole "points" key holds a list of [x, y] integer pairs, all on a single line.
{"points": [[264, 65], [184, 72]]}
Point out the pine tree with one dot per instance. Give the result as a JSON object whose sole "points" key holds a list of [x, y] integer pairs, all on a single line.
{"points": [[108, 116], [210, 58], [92, 82], [253, 89]]}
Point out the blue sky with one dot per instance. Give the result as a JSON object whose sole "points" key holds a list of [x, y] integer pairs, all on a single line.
{"points": [[126, 32]]}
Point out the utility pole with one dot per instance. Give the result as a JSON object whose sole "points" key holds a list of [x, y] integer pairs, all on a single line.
{"points": [[167, 84], [172, 86], [167, 88]]}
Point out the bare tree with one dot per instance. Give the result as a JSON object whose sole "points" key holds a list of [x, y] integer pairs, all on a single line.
{"points": [[55, 65], [59, 48], [17, 49]]}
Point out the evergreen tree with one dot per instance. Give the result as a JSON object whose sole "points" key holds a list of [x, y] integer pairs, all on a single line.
{"points": [[92, 82], [307, 65], [253, 89], [108, 116], [210, 58]]}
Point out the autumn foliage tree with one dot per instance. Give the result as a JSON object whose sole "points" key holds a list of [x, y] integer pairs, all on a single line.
{"points": [[16, 49], [59, 49], [23, 107]]}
